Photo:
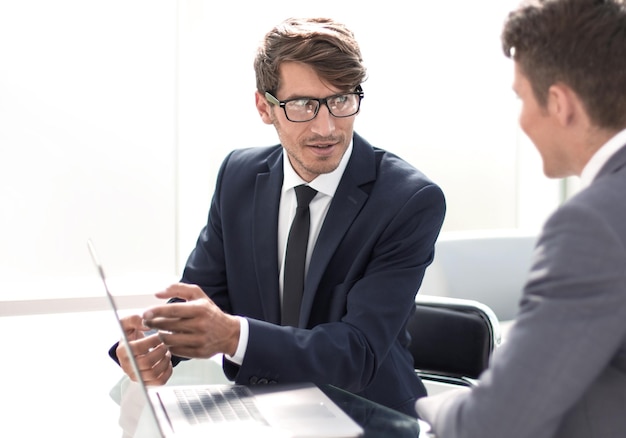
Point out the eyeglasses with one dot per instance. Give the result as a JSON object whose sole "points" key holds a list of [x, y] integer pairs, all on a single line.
{"points": [[304, 109]]}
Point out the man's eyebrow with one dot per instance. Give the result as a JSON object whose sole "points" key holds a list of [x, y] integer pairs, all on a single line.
{"points": [[300, 96], [303, 96]]}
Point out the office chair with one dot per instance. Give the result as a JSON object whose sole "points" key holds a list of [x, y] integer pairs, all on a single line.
{"points": [[452, 339], [489, 266]]}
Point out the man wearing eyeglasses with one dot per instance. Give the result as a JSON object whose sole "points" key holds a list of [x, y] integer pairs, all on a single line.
{"points": [[373, 220]]}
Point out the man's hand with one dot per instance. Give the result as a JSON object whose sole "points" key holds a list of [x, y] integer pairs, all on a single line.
{"points": [[151, 354], [196, 328]]}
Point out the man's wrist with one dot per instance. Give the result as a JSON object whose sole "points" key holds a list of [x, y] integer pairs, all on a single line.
{"points": [[240, 341], [233, 339]]}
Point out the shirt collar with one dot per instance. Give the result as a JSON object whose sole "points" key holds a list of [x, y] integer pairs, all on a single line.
{"points": [[601, 156], [325, 183]]}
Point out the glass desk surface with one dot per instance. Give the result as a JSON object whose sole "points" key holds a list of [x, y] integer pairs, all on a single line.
{"points": [[377, 421]]}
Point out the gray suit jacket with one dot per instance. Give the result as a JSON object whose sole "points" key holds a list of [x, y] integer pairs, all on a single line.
{"points": [[562, 370]]}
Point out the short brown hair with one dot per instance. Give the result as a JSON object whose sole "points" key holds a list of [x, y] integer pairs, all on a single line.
{"points": [[581, 43], [327, 46]]}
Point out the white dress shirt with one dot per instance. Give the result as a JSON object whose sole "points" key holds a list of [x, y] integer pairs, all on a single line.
{"points": [[326, 184], [601, 156]]}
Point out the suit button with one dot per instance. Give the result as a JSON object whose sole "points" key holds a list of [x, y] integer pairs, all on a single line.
{"points": [[262, 381], [253, 380]]}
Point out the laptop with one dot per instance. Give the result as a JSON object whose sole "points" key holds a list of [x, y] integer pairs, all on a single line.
{"points": [[280, 410]]}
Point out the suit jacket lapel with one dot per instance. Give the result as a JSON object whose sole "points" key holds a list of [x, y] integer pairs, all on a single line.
{"points": [[345, 206], [266, 200]]}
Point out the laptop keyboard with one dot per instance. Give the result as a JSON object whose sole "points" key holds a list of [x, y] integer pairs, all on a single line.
{"points": [[201, 405]]}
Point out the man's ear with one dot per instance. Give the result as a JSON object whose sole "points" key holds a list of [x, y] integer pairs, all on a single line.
{"points": [[263, 107], [563, 104]]}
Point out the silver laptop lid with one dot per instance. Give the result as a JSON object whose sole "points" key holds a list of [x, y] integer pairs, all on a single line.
{"points": [[124, 338]]}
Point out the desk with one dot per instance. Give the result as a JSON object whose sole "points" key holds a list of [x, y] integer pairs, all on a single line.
{"points": [[376, 420]]}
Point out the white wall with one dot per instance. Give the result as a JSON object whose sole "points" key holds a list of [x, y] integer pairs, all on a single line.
{"points": [[115, 116], [87, 136]]}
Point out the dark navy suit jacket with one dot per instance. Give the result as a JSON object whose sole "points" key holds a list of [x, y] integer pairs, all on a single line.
{"points": [[366, 267]]}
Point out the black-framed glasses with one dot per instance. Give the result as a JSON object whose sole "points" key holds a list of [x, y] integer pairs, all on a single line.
{"points": [[304, 109]]}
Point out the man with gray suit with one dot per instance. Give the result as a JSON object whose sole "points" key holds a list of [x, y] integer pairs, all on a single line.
{"points": [[562, 370]]}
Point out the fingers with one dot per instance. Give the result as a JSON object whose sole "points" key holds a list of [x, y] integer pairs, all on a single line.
{"points": [[177, 316], [133, 326], [185, 291], [152, 357], [156, 366], [184, 316], [205, 337], [190, 345], [187, 345]]}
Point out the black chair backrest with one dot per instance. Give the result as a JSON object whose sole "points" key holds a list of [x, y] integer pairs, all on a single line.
{"points": [[450, 341]]}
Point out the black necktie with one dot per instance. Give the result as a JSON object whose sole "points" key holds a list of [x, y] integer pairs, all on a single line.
{"points": [[295, 257]]}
